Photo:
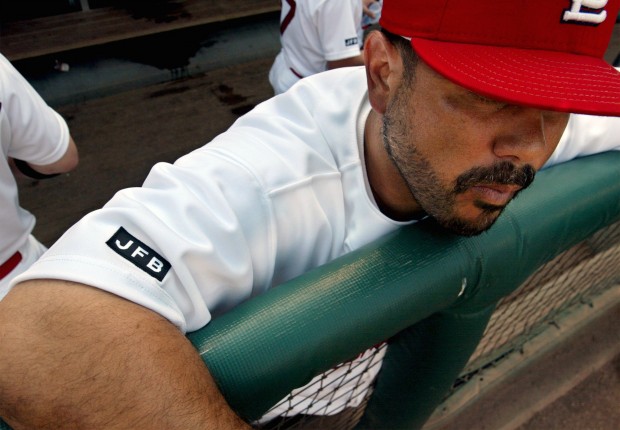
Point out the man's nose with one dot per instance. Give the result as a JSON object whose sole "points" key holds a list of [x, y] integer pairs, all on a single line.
{"points": [[522, 137]]}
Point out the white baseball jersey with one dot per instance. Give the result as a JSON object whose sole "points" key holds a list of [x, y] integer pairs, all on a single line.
{"points": [[31, 131], [313, 32], [282, 191]]}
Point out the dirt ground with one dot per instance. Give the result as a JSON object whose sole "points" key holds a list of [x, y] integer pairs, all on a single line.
{"points": [[120, 137], [592, 405]]}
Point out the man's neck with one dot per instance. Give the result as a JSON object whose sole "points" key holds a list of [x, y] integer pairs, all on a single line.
{"points": [[388, 187]]}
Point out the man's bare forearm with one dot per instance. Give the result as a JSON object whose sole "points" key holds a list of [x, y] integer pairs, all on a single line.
{"points": [[72, 356], [346, 62]]}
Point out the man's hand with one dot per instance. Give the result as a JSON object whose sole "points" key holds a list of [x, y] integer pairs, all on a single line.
{"points": [[72, 356], [366, 6]]}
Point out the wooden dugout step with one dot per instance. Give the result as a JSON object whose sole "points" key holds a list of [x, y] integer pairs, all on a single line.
{"points": [[48, 35]]}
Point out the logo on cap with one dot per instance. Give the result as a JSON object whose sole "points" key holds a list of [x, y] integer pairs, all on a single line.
{"points": [[586, 12]]}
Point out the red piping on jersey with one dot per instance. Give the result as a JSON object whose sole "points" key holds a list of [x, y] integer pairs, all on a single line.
{"points": [[289, 16], [10, 264], [296, 73]]}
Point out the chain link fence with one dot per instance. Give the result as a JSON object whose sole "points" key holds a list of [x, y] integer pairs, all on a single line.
{"points": [[572, 278]]}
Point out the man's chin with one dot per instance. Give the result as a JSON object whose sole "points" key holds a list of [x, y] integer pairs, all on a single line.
{"points": [[466, 227]]}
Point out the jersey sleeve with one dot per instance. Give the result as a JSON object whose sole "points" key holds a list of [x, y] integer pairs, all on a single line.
{"points": [[587, 135], [264, 202], [176, 245], [338, 25], [38, 134]]}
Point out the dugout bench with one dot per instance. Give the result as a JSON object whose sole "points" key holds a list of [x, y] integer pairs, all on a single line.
{"points": [[23, 39]]}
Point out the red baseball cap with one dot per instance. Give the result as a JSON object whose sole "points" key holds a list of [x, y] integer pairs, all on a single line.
{"points": [[540, 53]]}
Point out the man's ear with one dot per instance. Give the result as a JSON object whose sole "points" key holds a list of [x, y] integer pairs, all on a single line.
{"points": [[383, 69]]}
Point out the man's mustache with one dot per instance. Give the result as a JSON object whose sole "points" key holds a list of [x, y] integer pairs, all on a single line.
{"points": [[504, 173]]}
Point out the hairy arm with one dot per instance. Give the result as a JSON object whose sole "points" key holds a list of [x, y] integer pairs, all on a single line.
{"points": [[72, 356]]}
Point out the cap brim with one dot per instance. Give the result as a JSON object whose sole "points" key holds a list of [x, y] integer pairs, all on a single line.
{"points": [[542, 79]]}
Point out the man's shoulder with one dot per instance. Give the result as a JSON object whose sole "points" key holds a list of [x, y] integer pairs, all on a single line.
{"points": [[587, 135], [310, 125], [336, 81], [330, 99], [328, 91]]}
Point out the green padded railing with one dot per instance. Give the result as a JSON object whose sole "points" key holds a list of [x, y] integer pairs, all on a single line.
{"points": [[429, 292], [405, 287]]}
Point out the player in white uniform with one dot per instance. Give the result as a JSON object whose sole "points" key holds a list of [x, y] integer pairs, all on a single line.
{"points": [[316, 35], [38, 138], [339, 160]]}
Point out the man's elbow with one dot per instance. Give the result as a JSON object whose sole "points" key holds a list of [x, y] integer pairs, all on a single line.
{"points": [[68, 162]]}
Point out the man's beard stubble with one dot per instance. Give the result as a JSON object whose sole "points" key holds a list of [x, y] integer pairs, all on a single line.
{"points": [[423, 182]]}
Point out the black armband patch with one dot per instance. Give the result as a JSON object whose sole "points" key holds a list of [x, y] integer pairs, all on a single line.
{"points": [[138, 253], [25, 168]]}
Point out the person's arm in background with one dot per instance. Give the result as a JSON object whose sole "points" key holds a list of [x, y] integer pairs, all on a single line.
{"points": [[358, 60], [40, 142], [366, 7], [72, 356], [334, 33], [66, 163], [346, 62]]}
